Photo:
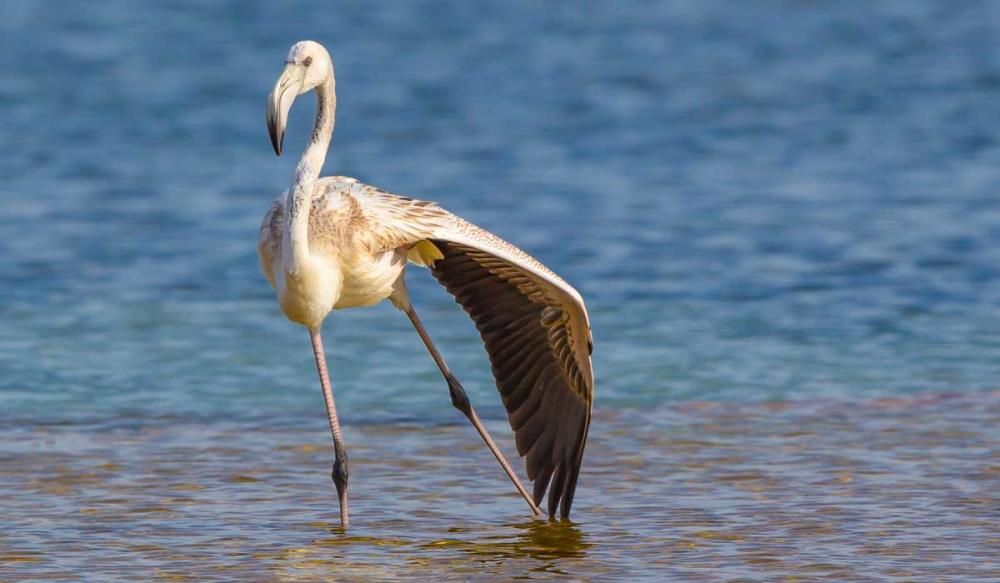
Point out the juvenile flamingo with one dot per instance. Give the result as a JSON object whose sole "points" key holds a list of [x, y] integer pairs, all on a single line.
{"points": [[333, 243]]}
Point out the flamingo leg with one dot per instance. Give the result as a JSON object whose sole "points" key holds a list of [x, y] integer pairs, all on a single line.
{"points": [[339, 472], [461, 402]]}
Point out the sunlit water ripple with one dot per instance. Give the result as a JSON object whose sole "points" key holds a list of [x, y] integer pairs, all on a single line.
{"points": [[877, 489]]}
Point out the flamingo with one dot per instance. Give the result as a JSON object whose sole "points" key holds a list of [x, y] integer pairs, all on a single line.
{"points": [[333, 243]]}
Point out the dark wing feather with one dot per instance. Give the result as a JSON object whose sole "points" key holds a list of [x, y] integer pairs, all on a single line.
{"points": [[527, 328]]}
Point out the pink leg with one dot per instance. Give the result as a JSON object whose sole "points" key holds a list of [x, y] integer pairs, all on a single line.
{"points": [[461, 402], [340, 464]]}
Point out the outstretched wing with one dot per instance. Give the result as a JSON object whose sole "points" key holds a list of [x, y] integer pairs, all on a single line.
{"points": [[534, 325], [538, 341]]}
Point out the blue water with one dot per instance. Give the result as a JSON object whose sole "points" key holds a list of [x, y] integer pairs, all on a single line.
{"points": [[760, 202]]}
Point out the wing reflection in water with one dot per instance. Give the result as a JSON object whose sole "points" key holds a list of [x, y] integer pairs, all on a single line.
{"points": [[498, 550], [546, 540]]}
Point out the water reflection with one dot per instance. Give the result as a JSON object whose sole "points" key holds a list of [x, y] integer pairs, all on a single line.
{"points": [[545, 545], [540, 539], [549, 540]]}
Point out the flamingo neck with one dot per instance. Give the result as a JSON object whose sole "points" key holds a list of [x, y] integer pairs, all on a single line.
{"points": [[306, 172]]}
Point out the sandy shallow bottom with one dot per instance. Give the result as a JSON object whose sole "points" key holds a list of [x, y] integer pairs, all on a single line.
{"points": [[873, 490]]}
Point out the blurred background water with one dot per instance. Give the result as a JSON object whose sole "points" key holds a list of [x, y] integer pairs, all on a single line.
{"points": [[783, 217]]}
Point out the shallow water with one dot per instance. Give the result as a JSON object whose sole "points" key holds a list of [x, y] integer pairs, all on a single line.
{"points": [[784, 219], [891, 488]]}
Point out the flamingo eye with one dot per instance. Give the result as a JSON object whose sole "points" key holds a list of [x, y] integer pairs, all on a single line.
{"points": [[308, 61]]}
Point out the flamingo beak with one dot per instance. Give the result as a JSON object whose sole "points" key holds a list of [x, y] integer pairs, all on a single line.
{"points": [[279, 102]]}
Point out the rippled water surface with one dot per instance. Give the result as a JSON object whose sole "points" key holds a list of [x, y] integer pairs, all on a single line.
{"points": [[783, 216], [863, 491]]}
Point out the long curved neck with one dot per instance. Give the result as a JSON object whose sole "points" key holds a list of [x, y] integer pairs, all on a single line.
{"points": [[300, 192]]}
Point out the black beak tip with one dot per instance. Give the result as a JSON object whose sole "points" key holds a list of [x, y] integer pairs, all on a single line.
{"points": [[277, 138]]}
